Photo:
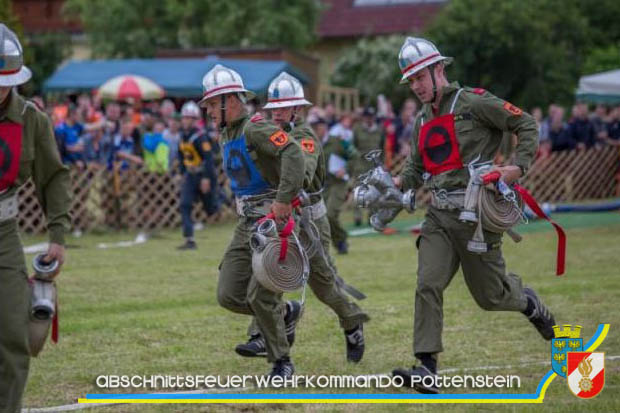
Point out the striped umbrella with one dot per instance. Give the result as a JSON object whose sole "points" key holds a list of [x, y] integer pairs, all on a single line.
{"points": [[130, 86]]}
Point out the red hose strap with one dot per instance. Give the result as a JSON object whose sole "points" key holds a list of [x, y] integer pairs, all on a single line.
{"points": [[55, 324], [286, 231], [531, 202]]}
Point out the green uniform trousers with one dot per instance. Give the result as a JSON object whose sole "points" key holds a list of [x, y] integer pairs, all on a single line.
{"points": [[322, 281], [239, 292], [442, 248], [335, 196], [14, 307]]}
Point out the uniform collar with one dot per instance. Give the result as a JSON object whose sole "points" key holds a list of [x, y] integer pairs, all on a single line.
{"points": [[447, 94], [236, 122], [299, 120], [14, 111]]}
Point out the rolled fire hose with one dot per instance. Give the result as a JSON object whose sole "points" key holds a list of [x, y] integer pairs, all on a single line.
{"points": [[275, 266], [497, 212]]}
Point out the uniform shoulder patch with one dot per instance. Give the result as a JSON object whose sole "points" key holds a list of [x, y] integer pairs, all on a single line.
{"points": [[307, 144], [279, 138], [256, 118], [513, 109], [478, 91]]}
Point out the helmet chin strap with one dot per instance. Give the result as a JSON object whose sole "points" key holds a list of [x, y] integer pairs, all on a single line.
{"points": [[223, 111], [293, 114], [432, 72]]}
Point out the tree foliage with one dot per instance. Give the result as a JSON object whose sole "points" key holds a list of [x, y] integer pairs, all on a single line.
{"points": [[118, 28], [8, 17], [43, 52], [527, 51], [531, 52], [372, 67]]}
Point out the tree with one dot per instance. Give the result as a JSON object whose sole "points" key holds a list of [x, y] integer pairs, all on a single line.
{"points": [[602, 59], [44, 52], [117, 28], [371, 66], [8, 17], [526, 51]]}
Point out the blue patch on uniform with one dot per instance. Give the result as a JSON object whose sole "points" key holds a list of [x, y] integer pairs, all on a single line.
{"points": [[1, 62], [245, 179]]}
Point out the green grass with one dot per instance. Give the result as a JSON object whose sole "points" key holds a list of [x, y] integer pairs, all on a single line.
{"points": [[150, 309]]}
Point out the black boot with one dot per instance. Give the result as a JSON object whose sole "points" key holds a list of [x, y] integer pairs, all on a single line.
{"points": [[355, 343], [293, 313], [539, 314], [414, 377], [283, 367], [255, 347], [190, 244]]}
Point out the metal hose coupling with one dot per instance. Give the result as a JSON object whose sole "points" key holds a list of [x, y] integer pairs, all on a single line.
{"points": [[44, 270], [43, 302], [378, 193]]}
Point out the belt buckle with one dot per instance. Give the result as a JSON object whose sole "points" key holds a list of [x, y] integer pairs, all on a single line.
{"points": [[442, 198]]}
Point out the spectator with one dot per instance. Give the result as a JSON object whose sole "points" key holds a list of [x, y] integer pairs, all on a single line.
{"points": [[123, 149], [97, 143], [113, 116], [559, 132], [613, 127], [155, 148], [167, 109], [343, 129], [599, 121], [581, 129], [330, 115], [545, 124], [85, 109], [404, 127], [320, 127], [68, 138], [172, 136]]}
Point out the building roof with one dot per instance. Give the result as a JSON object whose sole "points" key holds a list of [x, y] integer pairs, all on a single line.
{"points": [[353, 18], [179, 77]]}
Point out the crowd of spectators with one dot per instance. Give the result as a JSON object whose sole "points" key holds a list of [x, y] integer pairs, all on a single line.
{"points": [[90, 133], [95, 135], [580, 130]]}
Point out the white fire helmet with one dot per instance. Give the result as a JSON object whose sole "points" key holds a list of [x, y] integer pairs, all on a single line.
{"points": [[12, 69], [285, 91], [416, 54], [190, 109], [222, 80]]}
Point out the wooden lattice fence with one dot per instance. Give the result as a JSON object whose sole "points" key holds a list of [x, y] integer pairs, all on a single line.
{"points": [[136, 199]]}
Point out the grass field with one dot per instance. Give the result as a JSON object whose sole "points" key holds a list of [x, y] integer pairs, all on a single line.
{"points": [[150, 309]]}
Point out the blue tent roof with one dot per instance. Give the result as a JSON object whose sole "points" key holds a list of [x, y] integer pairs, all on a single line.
{"points": [[179, 77]]}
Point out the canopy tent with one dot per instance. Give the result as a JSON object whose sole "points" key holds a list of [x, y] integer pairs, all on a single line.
{"points": [[600, 88], [179, 77]]}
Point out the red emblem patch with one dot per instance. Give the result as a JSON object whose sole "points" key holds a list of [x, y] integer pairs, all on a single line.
{"points": [[279, 138], [10, 153], [479, 91], [307, 145], [512, 109], [438, 145]]}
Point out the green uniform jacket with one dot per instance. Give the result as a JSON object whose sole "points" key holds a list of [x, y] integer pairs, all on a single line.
{"points": [[41, 161], [314, 158], [480, 121], [278, 158]]}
